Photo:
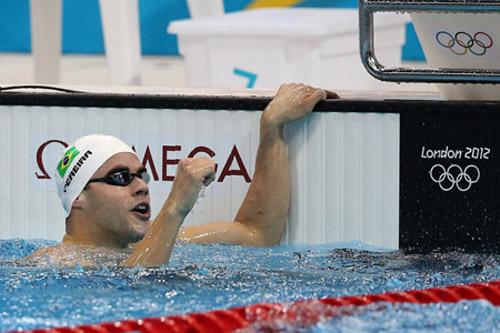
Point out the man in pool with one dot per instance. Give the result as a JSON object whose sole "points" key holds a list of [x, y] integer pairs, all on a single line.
{"points": [[104, 189]]}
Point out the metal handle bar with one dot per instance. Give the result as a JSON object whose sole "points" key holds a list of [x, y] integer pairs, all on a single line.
{"points": [[441, 75]]}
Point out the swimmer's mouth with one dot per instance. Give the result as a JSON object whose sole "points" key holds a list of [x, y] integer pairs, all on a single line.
{"points": [[143, 209]]}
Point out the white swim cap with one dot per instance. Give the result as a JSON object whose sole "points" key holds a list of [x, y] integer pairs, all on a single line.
{"points": [[81, 160]]}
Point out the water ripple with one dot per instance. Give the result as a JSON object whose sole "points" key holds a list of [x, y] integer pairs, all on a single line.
{"points": [[206, 277]]}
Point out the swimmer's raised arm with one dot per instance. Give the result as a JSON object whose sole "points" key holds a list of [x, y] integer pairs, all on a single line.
{"points": [[156, 247], [263, 215], [104, 190]]}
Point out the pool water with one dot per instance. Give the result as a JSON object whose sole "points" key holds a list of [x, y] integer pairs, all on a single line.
{"points": [[207, 277], [466, 317]]}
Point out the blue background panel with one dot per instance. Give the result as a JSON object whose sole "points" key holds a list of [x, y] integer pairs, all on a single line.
{"points": [[82, 30], [14, 26]]}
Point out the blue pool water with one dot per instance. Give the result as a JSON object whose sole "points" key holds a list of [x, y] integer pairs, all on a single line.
{"points": [[207, 277]]}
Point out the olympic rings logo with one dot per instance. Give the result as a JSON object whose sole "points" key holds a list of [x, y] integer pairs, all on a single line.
{"points": [[462, 42], [454, 176]]}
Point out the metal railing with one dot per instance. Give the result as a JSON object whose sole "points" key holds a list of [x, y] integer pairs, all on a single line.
{"points": [[437, 75]]}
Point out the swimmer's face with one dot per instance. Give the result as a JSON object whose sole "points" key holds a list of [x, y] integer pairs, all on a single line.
{"points": [[122, 212]]}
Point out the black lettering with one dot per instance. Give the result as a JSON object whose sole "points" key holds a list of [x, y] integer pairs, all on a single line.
{"points": [[75, 169]]}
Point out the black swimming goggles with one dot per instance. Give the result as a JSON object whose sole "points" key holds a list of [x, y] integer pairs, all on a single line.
{"points": [[122, 178]]}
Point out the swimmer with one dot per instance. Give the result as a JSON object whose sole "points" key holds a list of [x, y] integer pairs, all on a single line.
{"points": [[104, 190]]}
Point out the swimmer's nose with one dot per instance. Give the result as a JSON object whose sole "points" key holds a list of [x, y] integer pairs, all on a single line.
{"points": [[140, 186]]}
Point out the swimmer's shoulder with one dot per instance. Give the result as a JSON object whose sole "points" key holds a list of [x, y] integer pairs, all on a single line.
{"points": [[44, 252], [61, 254]]}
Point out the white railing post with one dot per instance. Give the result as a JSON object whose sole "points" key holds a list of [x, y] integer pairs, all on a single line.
{"points": [[120, 22], [46, 29], [199, 8]]}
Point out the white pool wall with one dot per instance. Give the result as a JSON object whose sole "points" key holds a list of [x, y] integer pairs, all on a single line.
{"points": [[345, 167]]}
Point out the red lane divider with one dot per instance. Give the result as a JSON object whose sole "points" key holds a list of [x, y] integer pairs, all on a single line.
{"points": [[307, 312]]}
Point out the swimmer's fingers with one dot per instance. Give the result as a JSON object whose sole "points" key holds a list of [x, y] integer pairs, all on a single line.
{"points": [[314, 95], [192, 174], [294, 101], [207, 170], [331, 95], [289, 89], [209, 179], [203, 168]]}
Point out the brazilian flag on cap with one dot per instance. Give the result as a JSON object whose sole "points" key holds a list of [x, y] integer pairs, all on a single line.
{"points": [[65, 162]]}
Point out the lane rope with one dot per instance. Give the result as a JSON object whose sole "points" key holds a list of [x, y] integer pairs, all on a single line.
{"points": [[306, 312]]}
